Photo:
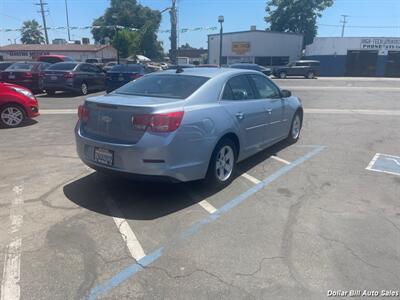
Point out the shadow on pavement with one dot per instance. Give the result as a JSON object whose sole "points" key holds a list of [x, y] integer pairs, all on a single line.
{"points": [[147, 200], [26, 123]]}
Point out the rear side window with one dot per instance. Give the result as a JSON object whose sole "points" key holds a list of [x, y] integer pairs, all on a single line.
{"points": [[21, 67], [164, 86], [240, 89], [265, 88], [127, 68], [62, 66]]}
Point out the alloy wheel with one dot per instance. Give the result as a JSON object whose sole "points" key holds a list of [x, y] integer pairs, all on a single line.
{"points": [[12, 116], [296, 127], [225, 163]]}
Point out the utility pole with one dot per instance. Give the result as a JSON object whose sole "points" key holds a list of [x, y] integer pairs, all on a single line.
{"points": [[66, 12], [174, 36], [42, 11], [344, 22]]}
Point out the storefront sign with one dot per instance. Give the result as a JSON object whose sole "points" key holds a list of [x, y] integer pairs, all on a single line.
{"points": [[26, 54], [389, 44], [240, 48]]}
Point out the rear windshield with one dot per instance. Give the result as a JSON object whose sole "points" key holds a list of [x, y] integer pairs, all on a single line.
{"points": [[62, 66], [126, 68], [4, 66], [21, 66], [164, 86]]}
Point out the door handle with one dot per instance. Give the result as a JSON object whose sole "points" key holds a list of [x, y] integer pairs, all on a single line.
{"points": [[269, 110], [240, 116]]}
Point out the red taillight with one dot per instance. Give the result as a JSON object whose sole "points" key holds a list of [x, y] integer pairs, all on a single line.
{"points": [[27, 75], [69, 75], [83, 113], [167, 122]]}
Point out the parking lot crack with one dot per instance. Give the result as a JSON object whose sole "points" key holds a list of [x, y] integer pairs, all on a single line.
{"points": [[259, 268], [198, 270], [352, 252]]}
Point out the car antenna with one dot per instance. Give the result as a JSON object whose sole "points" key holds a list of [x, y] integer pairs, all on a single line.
{"points": [[179, 70]]}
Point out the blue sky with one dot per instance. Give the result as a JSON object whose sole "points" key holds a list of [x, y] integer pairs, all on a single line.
{"points": [[239, 15]]}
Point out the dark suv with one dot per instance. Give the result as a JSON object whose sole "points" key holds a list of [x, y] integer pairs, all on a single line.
{"points": [[73, 77], [306, 68]]}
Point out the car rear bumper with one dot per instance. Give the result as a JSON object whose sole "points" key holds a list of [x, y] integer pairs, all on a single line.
{"points": [[153, 156], [60, 87]]}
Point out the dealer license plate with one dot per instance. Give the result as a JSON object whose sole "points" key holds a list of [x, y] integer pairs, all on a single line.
{"points": [[104, 156]]}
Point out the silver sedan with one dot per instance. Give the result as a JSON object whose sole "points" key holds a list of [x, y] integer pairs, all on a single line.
{"points": [[186, 124]]}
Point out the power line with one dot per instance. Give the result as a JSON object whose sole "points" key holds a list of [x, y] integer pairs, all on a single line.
{"points": [[43, 11]]}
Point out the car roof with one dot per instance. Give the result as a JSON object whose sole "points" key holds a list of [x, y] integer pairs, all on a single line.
{"points": [[243, 64], [54, 55], [208, 72], [308, 61]]}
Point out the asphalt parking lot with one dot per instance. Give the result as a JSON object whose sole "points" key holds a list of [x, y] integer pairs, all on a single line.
{"points": [[298, 220]]}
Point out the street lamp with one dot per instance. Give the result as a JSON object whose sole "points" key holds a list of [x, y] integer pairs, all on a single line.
{"points": [[220, 20]]}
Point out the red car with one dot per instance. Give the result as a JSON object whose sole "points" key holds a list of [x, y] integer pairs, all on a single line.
{"points": [[53, 58], [16, 105], [28, 74]]}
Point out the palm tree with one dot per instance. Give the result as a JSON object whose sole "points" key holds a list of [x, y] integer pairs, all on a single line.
{"points": [[31, 33]]}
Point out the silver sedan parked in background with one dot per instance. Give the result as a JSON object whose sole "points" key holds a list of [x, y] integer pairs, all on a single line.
{"points": [[186, 124]]}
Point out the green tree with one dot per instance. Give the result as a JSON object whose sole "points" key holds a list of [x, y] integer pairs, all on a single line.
{"points": [[127, 42], [130, 14], [299, 16], [31, 33]]}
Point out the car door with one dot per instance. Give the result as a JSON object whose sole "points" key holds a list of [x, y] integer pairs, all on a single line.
{"points": [[299, 69], [100, 76], [248, 112], [86, 75], [274, 107]]}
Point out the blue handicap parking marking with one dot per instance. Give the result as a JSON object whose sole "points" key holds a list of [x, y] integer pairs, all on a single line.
{"points": [[385, 163]]}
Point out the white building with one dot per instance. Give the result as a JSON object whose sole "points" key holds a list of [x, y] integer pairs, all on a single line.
{"points": [[262, 47], [24, 52]]}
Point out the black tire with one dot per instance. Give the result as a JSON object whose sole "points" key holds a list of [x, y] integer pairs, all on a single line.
{"points": [[84, 89], [50, 92], [294, 135], [213, 177], [19, 116], [282, 75], [310, 75]]}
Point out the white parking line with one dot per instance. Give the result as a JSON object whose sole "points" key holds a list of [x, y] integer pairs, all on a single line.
{"points": [[251, 178], [377, 112], [132, 243], [341, 88], [207, 206], [58, 111], [203, 203], [10, 284], [280, 159]]}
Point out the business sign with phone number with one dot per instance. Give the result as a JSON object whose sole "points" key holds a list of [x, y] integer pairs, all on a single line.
{"points": [[380, 44]]}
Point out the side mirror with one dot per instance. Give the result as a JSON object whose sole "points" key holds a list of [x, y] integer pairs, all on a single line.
{"points": [[286, 93]]}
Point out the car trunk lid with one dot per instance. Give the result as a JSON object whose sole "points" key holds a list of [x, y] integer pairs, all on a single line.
{"points": [[110, 117]]}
